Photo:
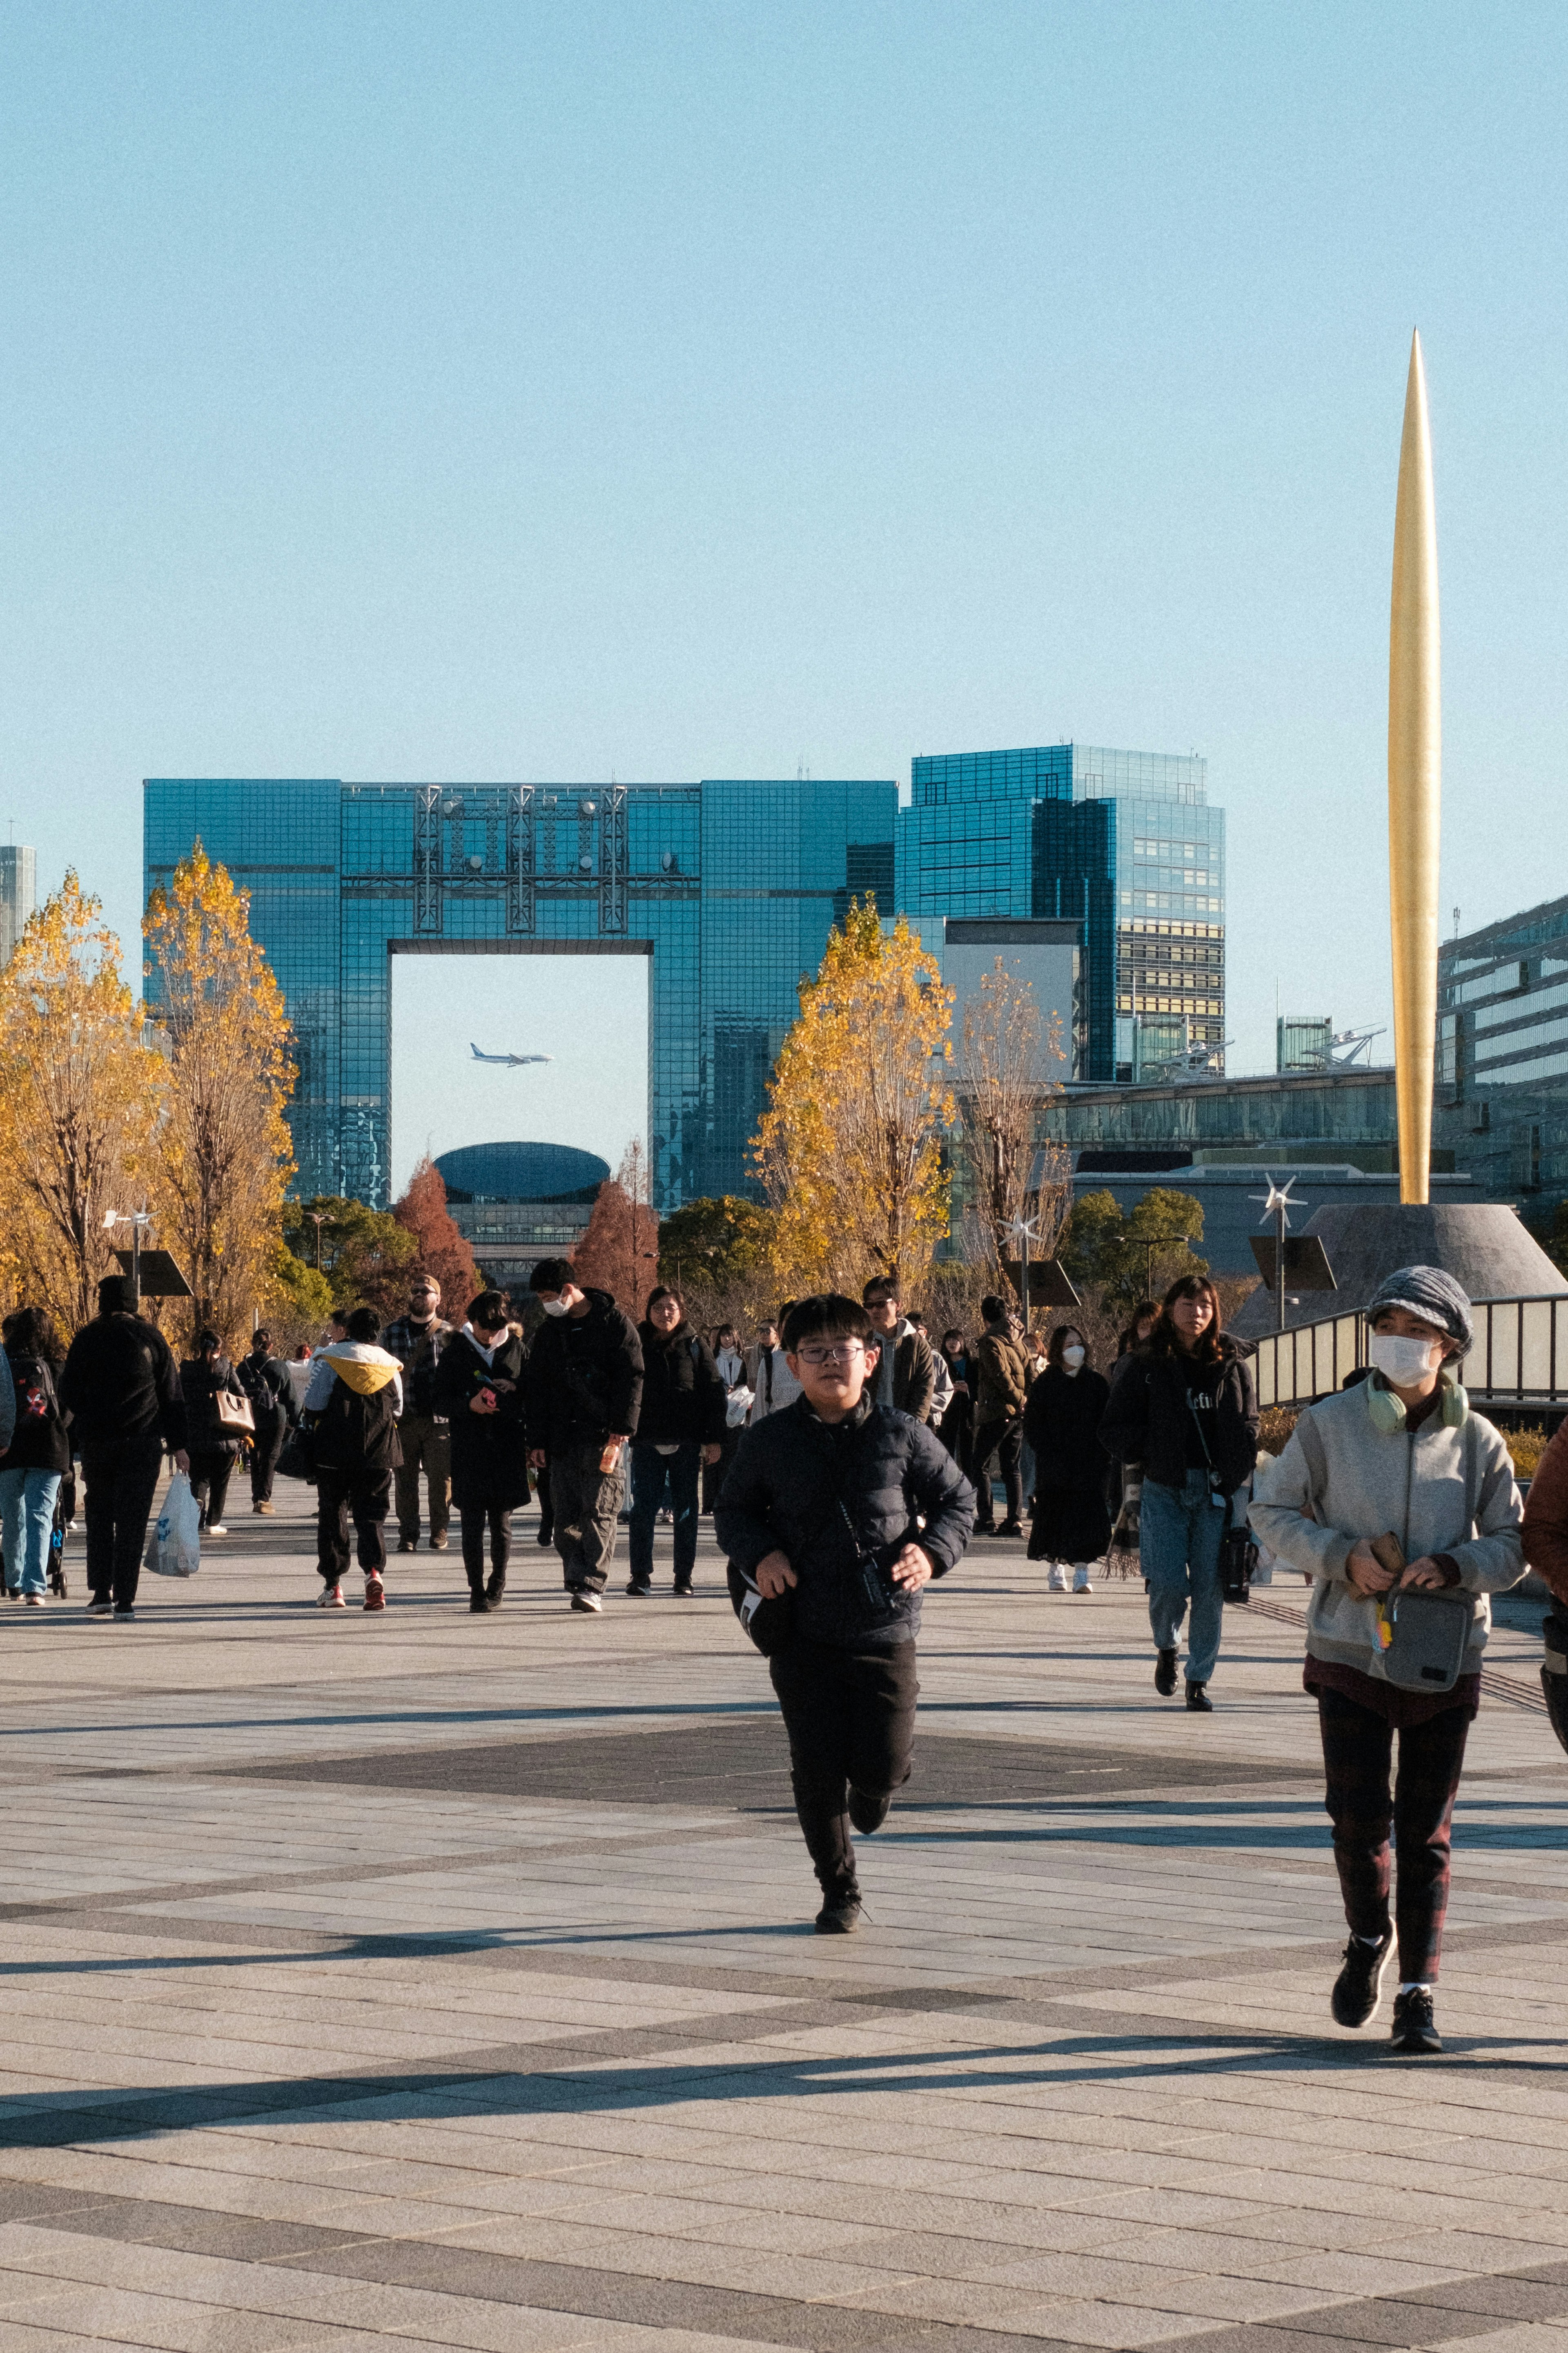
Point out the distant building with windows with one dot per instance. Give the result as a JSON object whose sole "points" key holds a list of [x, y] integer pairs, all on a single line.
{"points": [[1124, 844], [515, 1203], [18, 893], [1502, 1051]]}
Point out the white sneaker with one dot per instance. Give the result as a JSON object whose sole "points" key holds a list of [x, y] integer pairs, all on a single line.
{"points": [[1080, 1583], [216, 1529], [1058, 1580], [332, 1598]]}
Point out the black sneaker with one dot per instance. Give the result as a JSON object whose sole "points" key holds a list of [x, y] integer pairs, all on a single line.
{"points": [[495, 1587], [1011, 1528], [408, 1544], [1198, 1699], [477, 1601], [1165, 1673], [868, 1813], [638, 1591], [1415, 2028], [684, 1593], [1358, 1988], [841, 1914], [582, 1596]]}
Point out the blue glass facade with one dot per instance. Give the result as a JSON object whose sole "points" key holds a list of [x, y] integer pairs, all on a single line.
{"points": [[729, 887], [1122, 842]]}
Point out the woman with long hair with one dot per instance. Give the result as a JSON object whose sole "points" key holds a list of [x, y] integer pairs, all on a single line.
{"points": [[1140, 1324], [1061, 1421], [39, 1455], [1184, 1406]]}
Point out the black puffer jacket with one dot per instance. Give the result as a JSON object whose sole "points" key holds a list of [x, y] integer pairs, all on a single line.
{"points": [[1150, 1420], [489, 1451], [585, 1377], [783, 1491], [683, 1399]]}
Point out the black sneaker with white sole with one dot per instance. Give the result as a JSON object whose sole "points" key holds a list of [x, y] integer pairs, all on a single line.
{"points": [[1414, 2027], [582, 1596], [1358, 1988], [840, 1914]]}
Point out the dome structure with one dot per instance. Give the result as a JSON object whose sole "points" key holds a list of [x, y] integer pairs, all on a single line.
{"points": [[521, 1172]]}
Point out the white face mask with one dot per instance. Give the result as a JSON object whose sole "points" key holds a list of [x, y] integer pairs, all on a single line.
{"points": [[1072, 1358], [553, 1307], [1401, 1360]]}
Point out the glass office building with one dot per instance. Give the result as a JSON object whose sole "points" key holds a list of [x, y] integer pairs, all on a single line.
{"points": [[730, 888], [1122, 842], [1502, 1050]]}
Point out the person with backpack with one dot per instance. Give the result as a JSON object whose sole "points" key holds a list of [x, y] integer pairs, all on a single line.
{"points": [[584, 1391], [37, 1457], [417, 1339], [264, 1378], [1184, 1406], [841, 1510], [207, 1379], [1396, 1487], [681, 1425], [479, 1387], [352, 1409], [121, 1387]]}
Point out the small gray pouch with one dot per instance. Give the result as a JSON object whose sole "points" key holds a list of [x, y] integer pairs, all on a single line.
{"points": [[1431, 1636]]}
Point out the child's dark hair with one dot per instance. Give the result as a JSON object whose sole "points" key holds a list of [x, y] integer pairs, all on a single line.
{"points": [[488, 1309], [363, 1323], [552, 1274], [826, 1316]]}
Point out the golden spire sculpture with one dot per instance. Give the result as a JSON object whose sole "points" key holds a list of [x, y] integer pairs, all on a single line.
{"points": [[1414, 787]]}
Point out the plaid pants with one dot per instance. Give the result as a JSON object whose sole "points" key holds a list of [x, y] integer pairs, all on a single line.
{"points": [[1357, 1750]]}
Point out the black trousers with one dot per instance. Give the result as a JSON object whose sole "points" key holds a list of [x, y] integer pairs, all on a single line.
{"points": [[211, 1470], [850, 1716], [715, 1473], [366, 1497], [1006, 1440], [475, 1518], [266, 1446], [546, 1515], [121, 1483], [1357, 1750]]}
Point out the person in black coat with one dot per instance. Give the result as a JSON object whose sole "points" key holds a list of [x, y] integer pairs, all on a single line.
{"points": [[121, 1389], [264, 1378], [680, 1428], [37, 1458], [479, 1391], [1061, 1422], [848, 1509], [204, 1379], [584, 1390], [1184, 1406]]}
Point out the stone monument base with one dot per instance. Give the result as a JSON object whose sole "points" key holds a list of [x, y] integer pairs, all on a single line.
{"points": [[1481, 1244]]}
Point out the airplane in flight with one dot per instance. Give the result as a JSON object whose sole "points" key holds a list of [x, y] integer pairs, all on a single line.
{"points": [[513, 1062]]}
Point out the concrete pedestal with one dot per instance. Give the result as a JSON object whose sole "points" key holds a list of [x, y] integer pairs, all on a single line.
{"points": [[1481, 1244]]}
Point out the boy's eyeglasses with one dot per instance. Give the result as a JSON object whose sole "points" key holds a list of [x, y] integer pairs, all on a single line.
{"points": [[844, 1354]]}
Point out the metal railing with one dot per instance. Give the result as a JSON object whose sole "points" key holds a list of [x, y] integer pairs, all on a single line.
{"points": [[1519, 1356]]}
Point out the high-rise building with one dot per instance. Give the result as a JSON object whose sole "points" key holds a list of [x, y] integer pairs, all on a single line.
{"points": [[1502, 1050], [1122, 842], [18, 893], [729, 889]]}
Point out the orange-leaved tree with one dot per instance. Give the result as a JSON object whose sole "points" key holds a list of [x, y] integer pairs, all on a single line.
{"points": [[226, 1155], [619, 1251], [440, 1249], [850, 1148], [80, 1097]]}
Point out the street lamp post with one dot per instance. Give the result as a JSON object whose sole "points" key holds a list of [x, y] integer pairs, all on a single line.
{"points": [[136, 1220]]}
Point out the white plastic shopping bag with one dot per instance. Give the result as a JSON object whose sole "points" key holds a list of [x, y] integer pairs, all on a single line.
{"points": [[174, 1543]]}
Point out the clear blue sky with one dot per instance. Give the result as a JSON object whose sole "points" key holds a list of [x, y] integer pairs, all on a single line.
{"points": [[528, 391]]}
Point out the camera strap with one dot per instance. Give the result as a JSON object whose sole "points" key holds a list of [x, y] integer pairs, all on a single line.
{"points": [[1208, 1458]]}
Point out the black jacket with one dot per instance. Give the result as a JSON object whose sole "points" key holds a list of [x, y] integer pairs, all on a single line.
{"points": [[783, 1490], [585, 1377], [38, 1442], [201, 1384], [489, 1451], [1061, 1421], [1148, 1420], [683, 1397], [122, 1386], [265, 1381]]}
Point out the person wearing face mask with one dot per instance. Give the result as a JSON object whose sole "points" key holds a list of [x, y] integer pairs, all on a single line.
{"points": [[1400, 1455], [479, 1391], [1061, 1422], [681, 1426], [585, 1393], [1184, 1406]]}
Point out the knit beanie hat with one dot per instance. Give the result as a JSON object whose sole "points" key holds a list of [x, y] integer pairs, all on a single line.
{"points": [[117, 1295], [1429, 1292]]}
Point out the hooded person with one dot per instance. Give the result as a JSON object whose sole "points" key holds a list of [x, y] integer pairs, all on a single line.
{"points": [[351, 1413], [1394, 1487]]}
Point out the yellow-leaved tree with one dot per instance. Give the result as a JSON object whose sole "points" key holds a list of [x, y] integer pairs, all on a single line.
{"points": [[850, 1148], [226, 1155], [79, 1098]]}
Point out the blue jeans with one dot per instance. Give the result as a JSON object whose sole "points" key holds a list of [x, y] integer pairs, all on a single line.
{"points": [[27, 1515], [650, 1470], [1178, 1545]]}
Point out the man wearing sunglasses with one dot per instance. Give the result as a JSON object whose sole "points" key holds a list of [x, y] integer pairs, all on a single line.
{"points": [[846, 1508]]}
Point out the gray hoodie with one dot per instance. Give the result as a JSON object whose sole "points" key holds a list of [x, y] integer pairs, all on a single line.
{"points": [[1340, 1477]]}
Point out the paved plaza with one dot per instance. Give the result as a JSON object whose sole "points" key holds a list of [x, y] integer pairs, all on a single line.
{"points": [[436, 1979]]}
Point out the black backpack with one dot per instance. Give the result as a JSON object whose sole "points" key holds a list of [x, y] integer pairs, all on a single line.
{"points": [[354, 1432]]}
